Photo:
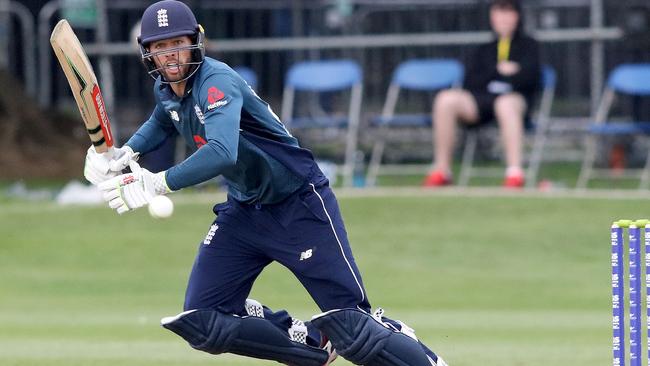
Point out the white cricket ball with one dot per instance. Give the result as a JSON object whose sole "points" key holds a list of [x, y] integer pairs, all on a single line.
{"points": [[161, 207]]}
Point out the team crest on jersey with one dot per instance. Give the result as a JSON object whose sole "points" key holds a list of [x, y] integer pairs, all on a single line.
{"points": [[199, 114], [215, 98]]}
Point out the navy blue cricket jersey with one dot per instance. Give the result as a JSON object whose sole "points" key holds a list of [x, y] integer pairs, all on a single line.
{"points": [[279, 208], [232, 132]]}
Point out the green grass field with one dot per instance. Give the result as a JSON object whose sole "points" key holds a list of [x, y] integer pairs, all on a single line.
{"points": [[507, 281]]}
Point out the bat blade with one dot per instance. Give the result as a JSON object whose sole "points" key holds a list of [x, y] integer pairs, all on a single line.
{"points": [[84, 86]]}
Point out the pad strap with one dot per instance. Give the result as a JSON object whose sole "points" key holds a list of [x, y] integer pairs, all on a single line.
{"points": [[362, 340], [216, 332]]}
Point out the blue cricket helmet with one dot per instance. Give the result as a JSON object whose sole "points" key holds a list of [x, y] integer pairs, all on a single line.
{"points": [[169, 19]]}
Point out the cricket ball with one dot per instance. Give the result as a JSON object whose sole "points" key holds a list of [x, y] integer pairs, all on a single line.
{"points": [[161, 207]]}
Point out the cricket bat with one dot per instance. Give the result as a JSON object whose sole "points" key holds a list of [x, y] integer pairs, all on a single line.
{"points": [[83, 83]]}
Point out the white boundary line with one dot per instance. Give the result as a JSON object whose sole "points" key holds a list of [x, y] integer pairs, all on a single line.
{"points": [[189, 197], [211, 198], [490, 192]]}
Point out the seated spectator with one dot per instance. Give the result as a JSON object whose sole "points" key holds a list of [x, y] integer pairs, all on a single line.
{"points": [[500, 82]]}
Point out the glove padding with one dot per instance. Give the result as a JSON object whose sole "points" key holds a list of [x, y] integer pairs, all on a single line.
{"points": [[127, 192], [102, 167]]}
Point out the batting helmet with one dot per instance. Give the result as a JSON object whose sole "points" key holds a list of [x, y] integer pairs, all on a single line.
{"points": [[169, 19]]}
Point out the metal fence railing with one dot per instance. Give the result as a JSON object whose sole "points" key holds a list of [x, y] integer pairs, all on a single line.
{"points": [[270, 35], [25, 62]]}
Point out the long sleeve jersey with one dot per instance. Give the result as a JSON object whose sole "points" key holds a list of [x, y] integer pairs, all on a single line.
{"points": [[231, 132]]}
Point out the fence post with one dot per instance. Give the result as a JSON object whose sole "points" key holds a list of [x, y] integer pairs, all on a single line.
{"points": [[5, 26], [106, 79], [597, 54], [26, 21], [45, 52]]}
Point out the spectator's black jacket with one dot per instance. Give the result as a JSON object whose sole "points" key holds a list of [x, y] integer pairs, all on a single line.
{"points": [[481, 69]]}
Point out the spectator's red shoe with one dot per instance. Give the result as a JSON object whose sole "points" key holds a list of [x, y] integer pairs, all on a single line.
{"points": [[437, 179], [514, 181]]}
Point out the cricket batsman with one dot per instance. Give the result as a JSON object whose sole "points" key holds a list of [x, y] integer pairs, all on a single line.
{"points": [[279, 208]]}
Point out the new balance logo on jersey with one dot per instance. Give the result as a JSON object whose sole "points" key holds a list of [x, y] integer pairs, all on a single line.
{"points": [[211, 232], [174, 116], [163, 21], [306, 254]]}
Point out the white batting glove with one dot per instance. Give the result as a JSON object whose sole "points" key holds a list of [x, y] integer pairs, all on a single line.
{"points": [[122, 157], [102, 167], [127, 192]]}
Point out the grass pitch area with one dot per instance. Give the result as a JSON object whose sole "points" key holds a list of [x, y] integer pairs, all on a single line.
{"points": [[507, 281]]}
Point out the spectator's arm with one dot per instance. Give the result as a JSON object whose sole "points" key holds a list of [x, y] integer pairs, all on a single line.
{"points": [[527, 79]]}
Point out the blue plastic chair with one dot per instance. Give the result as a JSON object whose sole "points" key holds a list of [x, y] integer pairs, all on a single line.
{"points": [[424, 75], [247, 74], [627, 79], [536, 132], [327, 76]]}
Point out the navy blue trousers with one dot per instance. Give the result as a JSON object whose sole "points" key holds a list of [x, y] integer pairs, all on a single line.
{"points": [[304, 233]]}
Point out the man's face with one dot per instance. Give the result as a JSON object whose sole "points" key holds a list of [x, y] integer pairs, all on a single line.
{"points": [[173, 64], [504, 21]]}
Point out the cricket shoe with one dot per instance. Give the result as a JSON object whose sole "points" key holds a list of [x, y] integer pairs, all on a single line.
{"points": [[437, 179], [298, 333], [254, 308]]}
